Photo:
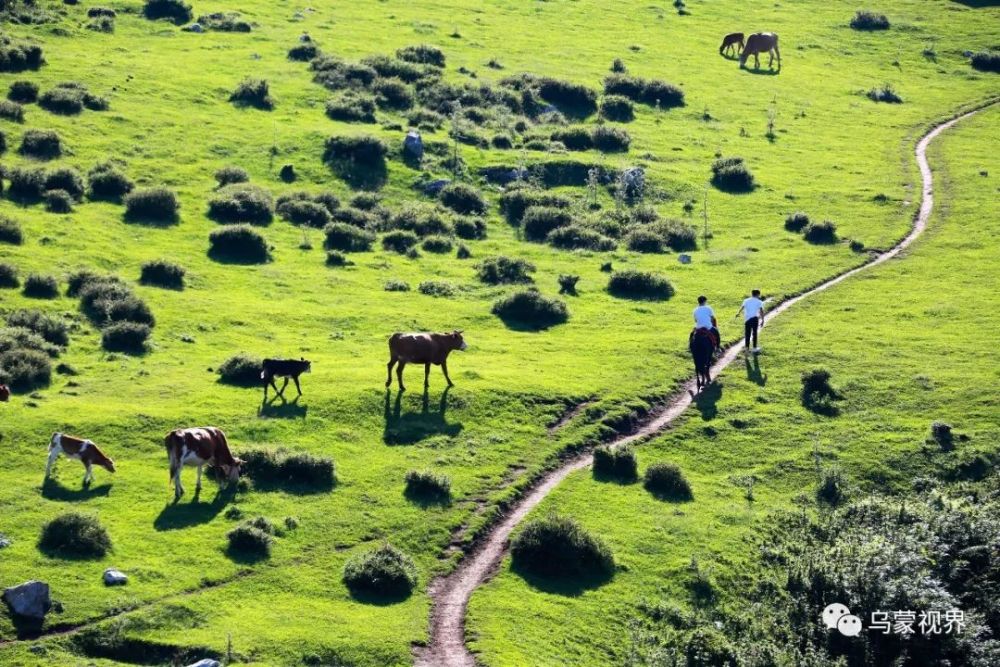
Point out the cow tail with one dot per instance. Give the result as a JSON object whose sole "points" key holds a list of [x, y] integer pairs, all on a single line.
{"points": [[172, 455]]}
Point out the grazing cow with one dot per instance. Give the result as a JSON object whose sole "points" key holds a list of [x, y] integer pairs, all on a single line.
{"points": [[201, 446], [422, 348], [4, 393], [761, 42], [84, 451], [733, 40], [283, 368]]}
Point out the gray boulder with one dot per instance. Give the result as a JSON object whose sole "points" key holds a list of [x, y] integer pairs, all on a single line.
{"points": [[432, 188], [206, 662], [413, 145], [195, 27], [29, 600], [684, 258], [113, 577]]}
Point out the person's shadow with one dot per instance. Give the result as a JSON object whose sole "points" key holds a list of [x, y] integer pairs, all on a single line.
{"points": [[407, 428], [754, 374]]}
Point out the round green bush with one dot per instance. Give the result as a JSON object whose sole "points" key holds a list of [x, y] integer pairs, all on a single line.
{"points": [[175, 11], [58, 201], [570, 97], [617, 108], [574, 138], [437, 244], [608, 139], [362, 150], [24, 369], [63, 100], [867, 20], [337, 258], [75, 535], [396, 286], [423, 54], [530, 308], [230, 174], [162, 273], [152, 204], [8, 276], [26, 184], [354, 217], [820, 232], [578, 237], [10, 231], [41, 144], [253, 92], [23, 92], [399, 241], [107, 181], [470, 228], [427, 485], [241, 243], [501, 270], [351, 107], [986, 61], [796, 222], [382, 572], [616, 462], [249, 540], [666, 481], [241, 202], [463, 198], [11, 111], [422, 221], [38, 286], [393, 94], [304, 212], [280, 468], [647, 91], [242, 370], [559, 547], [50, 328], [731, 174], [22, 338], [515, 203], [303, 52], [66, 179], [125, 336], [634, 284], [439, 288], [539, 221], [347, 238]]}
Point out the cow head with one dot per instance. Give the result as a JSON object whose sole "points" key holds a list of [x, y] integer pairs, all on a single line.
{"points": [[232, 470], [309, 364], [456, 341], [108, 464]]}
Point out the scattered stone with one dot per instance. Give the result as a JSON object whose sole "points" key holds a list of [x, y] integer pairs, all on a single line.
{"points": [[4, 541], [413, 145], [29, 600], [206, 662], [194, 27], [504, 175], [113, 577], [434, 187], [684, 258], [634, 182]]}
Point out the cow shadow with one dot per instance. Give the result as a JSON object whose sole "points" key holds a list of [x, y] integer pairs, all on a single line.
{"points": [[177, 516], [706, 401], [407, 428], [278, 407], [53, 490], [762, 71], [754, 373]]}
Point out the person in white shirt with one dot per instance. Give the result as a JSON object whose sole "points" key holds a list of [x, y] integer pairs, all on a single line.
{"points": [[704, 318], [753, 314]]}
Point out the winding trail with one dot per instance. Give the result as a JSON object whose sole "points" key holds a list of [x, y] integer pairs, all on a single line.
{"points": [[450, 594]]}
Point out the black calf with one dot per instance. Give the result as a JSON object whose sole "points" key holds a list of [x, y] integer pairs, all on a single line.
{"points": [[283, 368]]}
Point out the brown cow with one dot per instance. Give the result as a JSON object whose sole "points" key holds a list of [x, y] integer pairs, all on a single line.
{"points": [[84, 451], [4, 393], [733, 40], [422, 348], [200, 446]]}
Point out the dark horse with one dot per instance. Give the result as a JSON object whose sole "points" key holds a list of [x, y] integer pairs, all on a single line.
{"points": [[702, 347]]}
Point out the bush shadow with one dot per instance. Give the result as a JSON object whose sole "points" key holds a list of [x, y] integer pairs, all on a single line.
{"points": [[360, 177], [245, 557], [177, 516], [151, 221], [613, 478], [53, 490], [377, 599], [574, 586], [239, 260], [412, 427], [427, 499]]}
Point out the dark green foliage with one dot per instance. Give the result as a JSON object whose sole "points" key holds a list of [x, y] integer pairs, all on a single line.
{"points": [[617, 108], [125, 336], [396, 286], [425, 485], [26, 183], [426, 119], [176, 11], [225, 22], [421, 221], [399, 241], [107, 181], [463, 198], [352, 107], [389, 67], [633, 284], [248, 540], [23, 338], [269, 467], [817, 394], [730, 174], [503, 270], [108, 300], [303, 51], [463, 252], [439, 288], [360, 160], [661, 235], [514, 203], [567, 283], [616, 462], [559, 547], [940, 431], [23, 92], [11, 111], [354, 217], [423, 54], [287, 173], [502, 142], [64, 100], [820, 232], [304, 212], [67, 179], [8, 276], [986, 61], [529, 308], [51, 329], [19, 56], [579, 237], [157, 205], [385, 572], [539, 221], [618, 65], [393, 94], [40, 144], [10, 231], [25, 369], [470, 228], [231, 174], [242, 370], [796, 222], [241, 243], [666, 481], [647, 91], [867, 20], [253, 92], [337, 258], [437, 244], [348, 238], [79, 279], [884, 94], [574, 138], [366, 201], [162, 273], [572, 98], [58, 201], [40, 286], [74, 535], [241, 202], [335, 74], [102, 24], [832, 487], [609, 139]]}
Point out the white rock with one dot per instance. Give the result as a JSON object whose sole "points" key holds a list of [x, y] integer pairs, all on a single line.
{"points": [[206, 662], [113, 577]]}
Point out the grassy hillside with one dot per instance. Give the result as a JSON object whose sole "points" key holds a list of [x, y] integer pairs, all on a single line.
{"points": [[834, 154]]}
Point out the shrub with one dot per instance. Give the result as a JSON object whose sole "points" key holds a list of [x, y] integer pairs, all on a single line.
{"points": [[11, 111], [238, 243], [66, 179], [651, 92], [107, 300], [74, 535], [63, 100], [644, 239], [10, 231], [531, 308], [40, 286], [8, 276], [617, 108], [96, 12], [796, 222], [578, 237], [611, 139], [427, 485], [940, 433], [470, 228], [463, 198], [515, 203], [423, 54], [866, 20], [41, 144], [884, 94], [79, 279], [17, 57], [241, 202], [572, 97], [23, 92], [58, 201], [107, 181], [176, 11], [22, 338], [396, 286], [268, 467], [392, 94], [567, 283], [52, 330], [438, 244], [287, 173], [382, 572], [421, 221], [225, 22], [832, 486], [502, 142], [304, 212], [162, 273], [438, 288], [231, 174], [399, 241], [303, 52], [658, 236], [666, 481], [253, 92], [817, 394], [102, 24], [732, 175], [247, 539], [616, 462], [337, 258], [152, 204], [539, 221], [241, 370], [25, 369], [503, 270], [574, 138], [354, 217], [26, 183], [125, 336], [362, 151], [633, 284], [559, 547], [348, 238], [986, 61], [351, 106], [820, 232]]}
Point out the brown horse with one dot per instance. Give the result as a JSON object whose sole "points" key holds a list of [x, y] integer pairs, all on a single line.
{"points": [[702, 346], [761, 42], [733, 40]]}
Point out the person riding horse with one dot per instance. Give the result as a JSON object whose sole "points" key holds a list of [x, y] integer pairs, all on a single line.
{"points": [[703, 342], [705, 322]]}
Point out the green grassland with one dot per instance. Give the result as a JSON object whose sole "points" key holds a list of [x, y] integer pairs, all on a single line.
{"points": [[833, 152]]}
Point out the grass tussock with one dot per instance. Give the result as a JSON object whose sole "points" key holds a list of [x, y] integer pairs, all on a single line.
{"points": [[74, 535], [384, 572], [559, 547]]}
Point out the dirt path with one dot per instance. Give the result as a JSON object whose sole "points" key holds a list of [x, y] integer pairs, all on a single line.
{"points": [[450, 595]]}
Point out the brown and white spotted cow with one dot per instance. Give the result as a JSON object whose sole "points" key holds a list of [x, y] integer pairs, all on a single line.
{"points": [[84, 451], [200, 446]]}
